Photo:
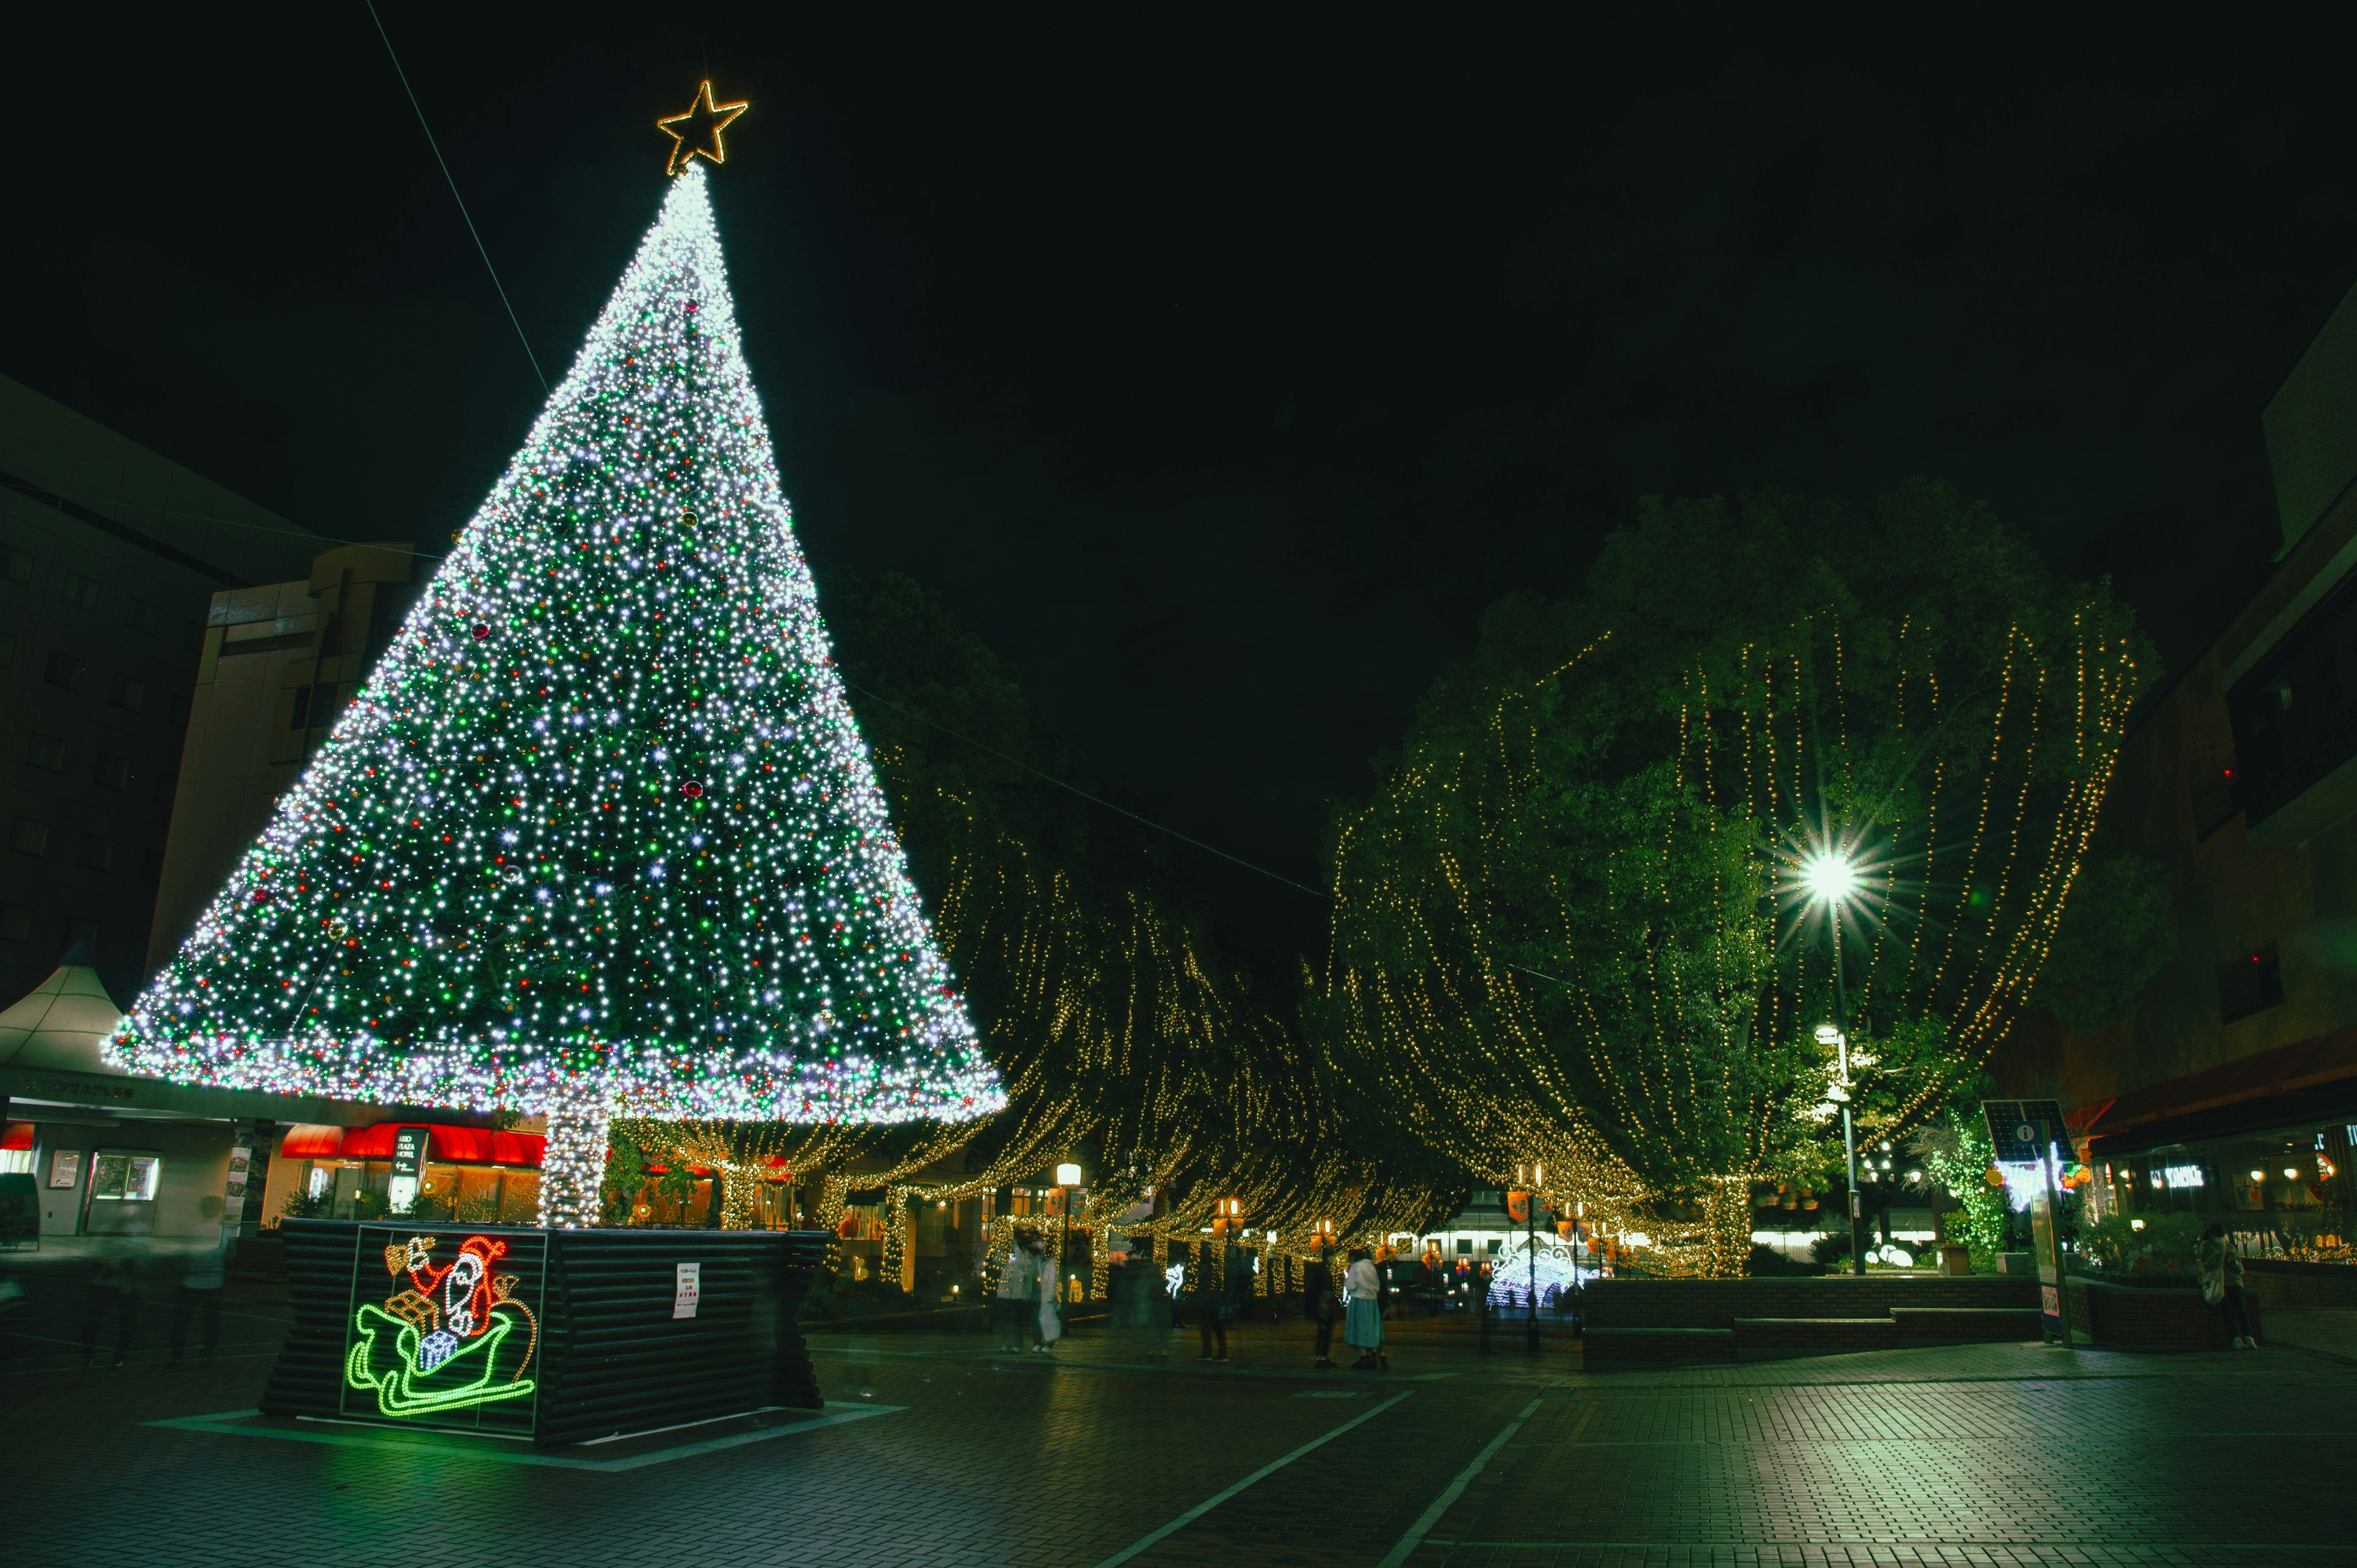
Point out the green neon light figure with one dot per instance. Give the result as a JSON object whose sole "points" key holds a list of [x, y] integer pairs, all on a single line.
{"points": [[390, 1357]]}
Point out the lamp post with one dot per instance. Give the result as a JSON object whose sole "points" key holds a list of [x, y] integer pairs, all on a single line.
{"points": [[1832, 878], [1531, 1252], [1067, 1176]]}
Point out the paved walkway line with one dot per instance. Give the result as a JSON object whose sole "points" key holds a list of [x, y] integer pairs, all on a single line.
{"points": [[1216, 1498], [1451, 1492], [228, 1421]]}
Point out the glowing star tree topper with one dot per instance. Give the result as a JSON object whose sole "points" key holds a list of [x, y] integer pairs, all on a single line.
{"points": [[599, 835]]}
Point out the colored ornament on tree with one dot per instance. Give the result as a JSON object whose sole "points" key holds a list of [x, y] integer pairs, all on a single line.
{"points": [[628, 856]]}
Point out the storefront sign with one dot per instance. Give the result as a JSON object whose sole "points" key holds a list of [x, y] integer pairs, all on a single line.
{"points": [[450, 1335], [687, 1288], [65, 1165], [81, 1091], [408, 1163], [241, 1160]]}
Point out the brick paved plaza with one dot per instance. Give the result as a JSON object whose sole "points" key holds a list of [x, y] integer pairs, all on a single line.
{"points": [[935, 1451]]}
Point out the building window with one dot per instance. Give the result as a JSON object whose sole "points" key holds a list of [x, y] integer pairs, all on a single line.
{"points": [[143, 616], [113, 772], [15, 923], [17, 563], [82, 931], [28, 836], [151, 866], [81, 592], [2252, 984], [125, 693], [96, 854], [45, 751], [124, 1179], [62, 669]]}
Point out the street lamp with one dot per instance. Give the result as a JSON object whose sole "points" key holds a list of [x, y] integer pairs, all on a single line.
{"points": [[1067, 1176], [1531, 1252], [1831, 877], [1828, 1035]]}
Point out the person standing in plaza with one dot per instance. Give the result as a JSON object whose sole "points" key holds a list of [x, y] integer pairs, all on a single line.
{"points": [[2221, 1272], [1212, 1296], [1135, 1283], [114, 1286], [1015, 1294], [1047, 1295], [1235, 1277], [201, 1286], [1364, 1330], [1317, 1297]]}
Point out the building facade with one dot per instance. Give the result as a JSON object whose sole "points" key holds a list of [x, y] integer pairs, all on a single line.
{"points": [[109, 556], [274, 666], [2231, 1093]]}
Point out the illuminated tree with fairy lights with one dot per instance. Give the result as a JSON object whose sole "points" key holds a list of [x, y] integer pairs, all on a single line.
{"points": [[600, 835], [1577, 922]]}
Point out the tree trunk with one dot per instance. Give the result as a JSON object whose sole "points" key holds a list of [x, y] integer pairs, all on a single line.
{"points": [[580, 1112]]}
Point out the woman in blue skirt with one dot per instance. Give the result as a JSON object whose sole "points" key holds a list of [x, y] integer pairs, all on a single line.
{"points": [[1364, 1331]]}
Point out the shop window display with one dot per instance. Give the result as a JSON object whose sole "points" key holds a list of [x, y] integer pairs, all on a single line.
{"points": [[2286, 1194]]}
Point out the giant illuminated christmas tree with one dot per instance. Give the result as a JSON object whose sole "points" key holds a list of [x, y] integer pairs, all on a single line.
{"points": [[600, 834]]}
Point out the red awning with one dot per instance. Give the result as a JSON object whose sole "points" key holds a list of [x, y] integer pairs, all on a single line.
{"points": [[444, 1146], [19, 1135]]}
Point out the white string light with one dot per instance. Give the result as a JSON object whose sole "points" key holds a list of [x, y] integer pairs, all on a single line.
{"points": [[600, 833]]}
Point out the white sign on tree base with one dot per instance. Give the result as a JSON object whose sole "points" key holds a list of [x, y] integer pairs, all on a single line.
{"points": [[689, 1286]]}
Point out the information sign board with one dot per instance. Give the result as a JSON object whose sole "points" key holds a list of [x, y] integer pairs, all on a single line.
{"points": [[2024, 1131]]}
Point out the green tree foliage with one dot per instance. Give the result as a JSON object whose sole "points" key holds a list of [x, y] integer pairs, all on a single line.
{"points": [[1956, 1152], [1119, 1029], [1568, 919], [2117, 935]]}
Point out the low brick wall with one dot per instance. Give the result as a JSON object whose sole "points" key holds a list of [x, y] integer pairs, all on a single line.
{"points": [[1938, 1325], [1717, 1303], [2131, 1317], [1607, 1348], [1812, 1336], [2287, 1285]]}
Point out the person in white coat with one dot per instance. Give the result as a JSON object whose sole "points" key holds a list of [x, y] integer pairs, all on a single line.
{"points": [[1017, 1293], [1364, 1326]]}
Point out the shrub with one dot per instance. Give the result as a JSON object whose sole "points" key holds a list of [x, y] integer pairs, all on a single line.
{"points": [[1767, 1262], [2163, 1246]]}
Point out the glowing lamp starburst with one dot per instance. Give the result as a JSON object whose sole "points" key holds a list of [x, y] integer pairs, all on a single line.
{"points": [[1830, 876]]}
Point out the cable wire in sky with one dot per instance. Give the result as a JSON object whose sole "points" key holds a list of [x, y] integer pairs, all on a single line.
{"points": [[454, 190], [1133, 816], [1084, 794]]}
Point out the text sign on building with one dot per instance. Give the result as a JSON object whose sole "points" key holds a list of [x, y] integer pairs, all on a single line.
{"points": [[2014, 1127], [686, 1289], [408, 1162]]}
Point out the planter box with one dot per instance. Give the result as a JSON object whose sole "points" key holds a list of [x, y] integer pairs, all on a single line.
{"points": [[555, 1336], [2154, 1317]]}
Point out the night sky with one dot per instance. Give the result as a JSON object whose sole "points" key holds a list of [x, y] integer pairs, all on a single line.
{"points": [[1219, 375]]}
